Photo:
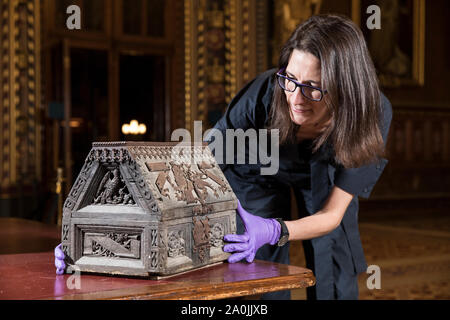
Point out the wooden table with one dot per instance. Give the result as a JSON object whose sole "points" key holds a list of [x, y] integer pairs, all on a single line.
{"points": [[29, 276], [25, 236], [32, 276]]}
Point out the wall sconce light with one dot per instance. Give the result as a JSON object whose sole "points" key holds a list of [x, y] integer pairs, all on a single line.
{"points": [[73, 122], [134, 127]]}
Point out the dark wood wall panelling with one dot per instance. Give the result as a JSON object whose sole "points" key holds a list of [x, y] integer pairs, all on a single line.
{"points": [[418, 153], [419, 138], [419, 142]]}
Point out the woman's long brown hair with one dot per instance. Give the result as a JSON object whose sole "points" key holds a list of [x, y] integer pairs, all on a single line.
{"points": [[353, 95]]}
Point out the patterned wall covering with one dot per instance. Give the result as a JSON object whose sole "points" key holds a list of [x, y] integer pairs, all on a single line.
{"points": [[20, 143], [228, 43], [225, 47]]}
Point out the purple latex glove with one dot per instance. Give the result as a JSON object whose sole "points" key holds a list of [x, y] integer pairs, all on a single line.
{"points": [[258, 232], [59, 260]]}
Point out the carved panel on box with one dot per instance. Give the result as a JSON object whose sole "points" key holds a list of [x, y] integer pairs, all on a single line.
{"points": [[154, 249], [216, 235], [65, 232], [201, 234], [65, 249], [176, 244], [190, 185], [109, 155], [112, 245], [112, 190], [140, 182], [79, 185]]}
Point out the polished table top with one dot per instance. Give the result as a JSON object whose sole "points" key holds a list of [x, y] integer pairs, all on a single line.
{"points": [[32, 276], [30, 273], [24, 236]]}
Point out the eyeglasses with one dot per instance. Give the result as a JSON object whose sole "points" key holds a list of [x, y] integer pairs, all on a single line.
{"points": [[290, 85]]}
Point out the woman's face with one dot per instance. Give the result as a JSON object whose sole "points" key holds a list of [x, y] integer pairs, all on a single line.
{"points": [[305, 68]]}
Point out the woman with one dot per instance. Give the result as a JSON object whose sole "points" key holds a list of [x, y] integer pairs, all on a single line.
{"points": [[333, 123]]}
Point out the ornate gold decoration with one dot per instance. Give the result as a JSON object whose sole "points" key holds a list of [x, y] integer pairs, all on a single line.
{"points": [[205, 74], [20, 137], [231, 49], [195, 61], [201, 62], [5, 94], [289, 14], [261, 36], [212, 77], [187, 61], [245, 42]]}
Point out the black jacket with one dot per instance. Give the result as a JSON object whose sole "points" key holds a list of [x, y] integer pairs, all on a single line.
{"points": [[250, 109]]}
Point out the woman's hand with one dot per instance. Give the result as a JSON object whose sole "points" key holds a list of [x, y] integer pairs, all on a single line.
{"points": [[59, 260], [258, 232]]}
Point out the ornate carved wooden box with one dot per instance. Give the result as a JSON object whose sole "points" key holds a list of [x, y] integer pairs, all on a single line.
{"points": [[145, 209]]}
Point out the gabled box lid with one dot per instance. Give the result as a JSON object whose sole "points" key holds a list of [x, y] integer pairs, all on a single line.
{"points": [[168, 180]]}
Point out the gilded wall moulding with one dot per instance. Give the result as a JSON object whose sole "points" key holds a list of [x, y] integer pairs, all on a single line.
{"points": [[289, 14], [20, 93], [225, 47]]}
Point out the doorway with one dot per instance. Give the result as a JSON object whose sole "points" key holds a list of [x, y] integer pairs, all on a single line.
{"points": [[142, 95], [89, 102]]}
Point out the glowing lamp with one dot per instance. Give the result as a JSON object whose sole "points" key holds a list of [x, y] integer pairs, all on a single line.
{"points": [[134, 127]]}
